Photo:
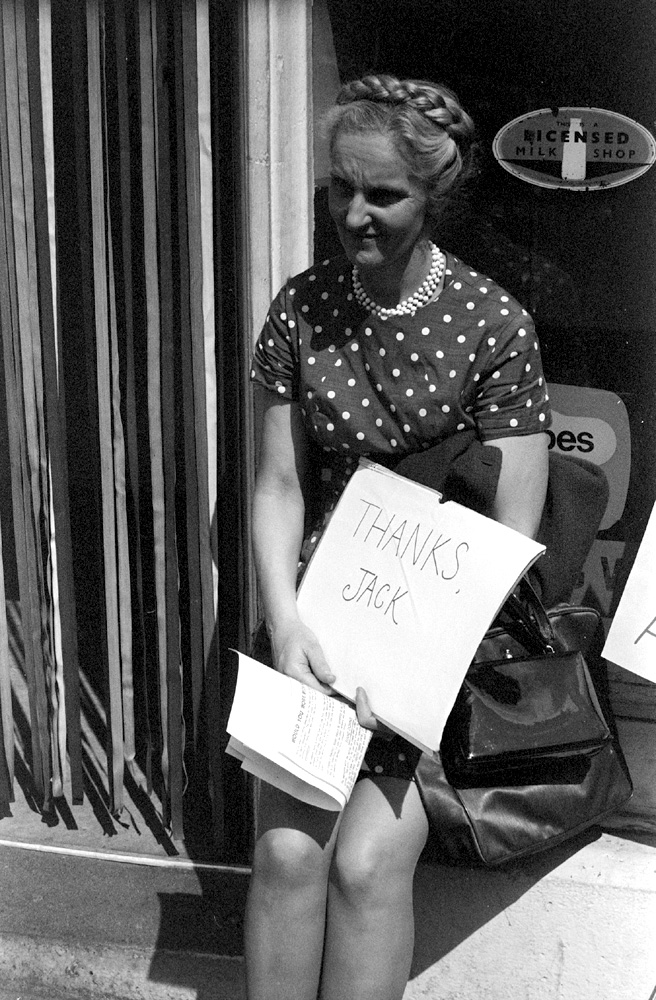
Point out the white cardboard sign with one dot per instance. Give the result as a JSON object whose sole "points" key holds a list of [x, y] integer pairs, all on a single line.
{"points": [[400, 591], [631, 641]]}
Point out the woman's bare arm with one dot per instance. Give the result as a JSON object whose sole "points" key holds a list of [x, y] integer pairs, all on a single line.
{"points": [[522, 485], [278, 513]]}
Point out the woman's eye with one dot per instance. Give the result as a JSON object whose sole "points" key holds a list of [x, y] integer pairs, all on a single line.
{"points": [[384, 196], [380, 197], [340, 187]]}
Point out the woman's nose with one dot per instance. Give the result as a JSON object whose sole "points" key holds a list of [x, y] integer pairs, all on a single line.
{"points": [[357, 214]]}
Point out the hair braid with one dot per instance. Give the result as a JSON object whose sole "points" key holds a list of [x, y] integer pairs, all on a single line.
{"points": [[425, 120]]}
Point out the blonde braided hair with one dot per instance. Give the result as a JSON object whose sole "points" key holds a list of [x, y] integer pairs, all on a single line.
{"points": [[425, 120]]}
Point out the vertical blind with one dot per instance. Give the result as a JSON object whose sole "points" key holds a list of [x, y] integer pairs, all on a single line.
{"points": [[123, 394]]}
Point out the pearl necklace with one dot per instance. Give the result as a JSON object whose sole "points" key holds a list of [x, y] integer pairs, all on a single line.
{"points": [[421, 297]]}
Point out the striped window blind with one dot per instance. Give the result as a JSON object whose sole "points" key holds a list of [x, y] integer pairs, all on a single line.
{"points": [[125, 392]]}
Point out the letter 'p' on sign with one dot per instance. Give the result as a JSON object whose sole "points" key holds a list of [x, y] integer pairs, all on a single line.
{"points": [[594, 424]]}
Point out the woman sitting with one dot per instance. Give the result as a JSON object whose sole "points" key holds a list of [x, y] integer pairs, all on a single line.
{"points": [[382, 353]]}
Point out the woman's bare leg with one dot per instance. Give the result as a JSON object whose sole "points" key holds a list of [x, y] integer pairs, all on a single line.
{"points": [[286, 908], [370, 921]]}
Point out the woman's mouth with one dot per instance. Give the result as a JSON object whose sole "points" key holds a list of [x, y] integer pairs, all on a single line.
{"points": [[367, 240]]}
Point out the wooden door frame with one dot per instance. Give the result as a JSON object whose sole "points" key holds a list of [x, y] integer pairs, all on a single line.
{"points": [[277, 174]]}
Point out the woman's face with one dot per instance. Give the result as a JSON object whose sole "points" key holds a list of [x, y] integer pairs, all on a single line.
{"points": [[378, 207]]}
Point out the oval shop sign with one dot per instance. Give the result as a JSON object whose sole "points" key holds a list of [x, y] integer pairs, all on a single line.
{"points": [[578, 149]]}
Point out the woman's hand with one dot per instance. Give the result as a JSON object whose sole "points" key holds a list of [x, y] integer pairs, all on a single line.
{"points": [[298, 654]]}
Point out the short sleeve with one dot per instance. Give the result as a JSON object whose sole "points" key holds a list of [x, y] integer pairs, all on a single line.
{"points": [[275, 358], [511, 396]]}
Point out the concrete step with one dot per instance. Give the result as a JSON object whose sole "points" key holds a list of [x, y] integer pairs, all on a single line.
{"points": [[575, 923], [40, 969], [111, 929]]}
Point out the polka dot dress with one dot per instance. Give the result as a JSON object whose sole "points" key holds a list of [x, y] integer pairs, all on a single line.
{"points": [[387, 388]]}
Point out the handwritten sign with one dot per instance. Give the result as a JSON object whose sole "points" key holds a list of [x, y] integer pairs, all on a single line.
{"points": [[419, 545], [631, 641], [400, 591]]}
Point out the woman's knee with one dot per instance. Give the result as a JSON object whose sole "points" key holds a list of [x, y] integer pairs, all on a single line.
{"points": [[368, 869], [380, 841], [289, 858]]}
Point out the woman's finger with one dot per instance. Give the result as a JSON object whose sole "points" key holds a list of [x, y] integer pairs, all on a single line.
{"points": [[319, 664], [366, 718], [300, 671]]}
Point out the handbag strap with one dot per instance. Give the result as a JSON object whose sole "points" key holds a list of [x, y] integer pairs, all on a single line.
{"points": [[526, 619]]}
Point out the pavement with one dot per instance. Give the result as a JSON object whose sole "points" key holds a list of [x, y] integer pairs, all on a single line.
{"points": [[87, 928]]}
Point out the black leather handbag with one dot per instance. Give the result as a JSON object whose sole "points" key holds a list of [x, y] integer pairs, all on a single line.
{"points": [[530, 755]]}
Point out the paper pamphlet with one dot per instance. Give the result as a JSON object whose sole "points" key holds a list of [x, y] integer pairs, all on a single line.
{"points": [[400, 591], [295, 737], [631, 640]]}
